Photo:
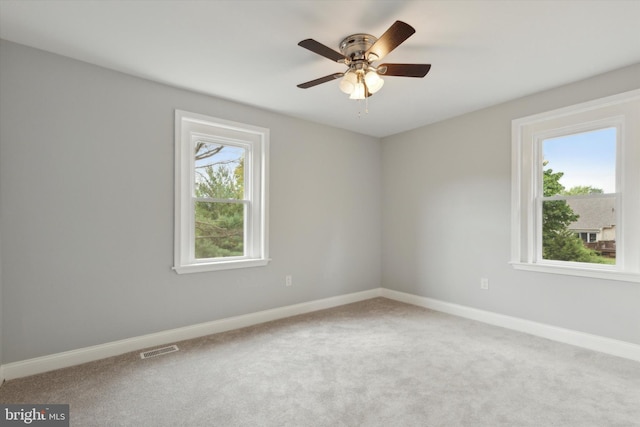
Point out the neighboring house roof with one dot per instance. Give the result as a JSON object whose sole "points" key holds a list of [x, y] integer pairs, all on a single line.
{"points": [[595, 213]]}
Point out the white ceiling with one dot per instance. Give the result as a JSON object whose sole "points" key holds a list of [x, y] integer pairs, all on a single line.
{"points": [[482, 52]]}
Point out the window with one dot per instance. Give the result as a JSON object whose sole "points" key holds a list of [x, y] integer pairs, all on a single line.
{"points": [[589, 237], [577, 192], [221, 187], [575, 198]]}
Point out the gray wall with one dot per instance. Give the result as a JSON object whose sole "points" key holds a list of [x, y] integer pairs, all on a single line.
{"points": [[86, 209], [1, 376], [86, 213], [446, 220]]}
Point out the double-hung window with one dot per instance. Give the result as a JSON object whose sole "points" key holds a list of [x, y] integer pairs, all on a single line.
{"points": [[575, 189], [220, 194]]}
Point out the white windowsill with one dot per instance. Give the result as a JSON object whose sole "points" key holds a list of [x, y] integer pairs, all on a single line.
{"points": [[220, 265], [578, 271]]}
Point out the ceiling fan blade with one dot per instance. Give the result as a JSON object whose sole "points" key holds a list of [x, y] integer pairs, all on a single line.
{"points": [[320, 49], [404, 70], [391, 39], [321, 80]]}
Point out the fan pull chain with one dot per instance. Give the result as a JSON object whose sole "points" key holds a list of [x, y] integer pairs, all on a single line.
{"points": [[366, 107]]}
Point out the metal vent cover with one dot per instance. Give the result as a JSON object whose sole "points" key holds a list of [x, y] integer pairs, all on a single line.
{"points": [[158, 351]]}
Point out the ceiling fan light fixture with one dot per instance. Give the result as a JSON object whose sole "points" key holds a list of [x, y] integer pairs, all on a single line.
{"points": [[358, 51], [373, 81]]}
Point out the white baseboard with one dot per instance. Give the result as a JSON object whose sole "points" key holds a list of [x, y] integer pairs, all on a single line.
{"points": [[610, 346], [88, 354]]}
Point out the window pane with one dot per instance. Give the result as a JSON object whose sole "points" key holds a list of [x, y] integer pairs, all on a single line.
{"points": [[579, 230], [219, 230], [219, 171], [583, 163]]}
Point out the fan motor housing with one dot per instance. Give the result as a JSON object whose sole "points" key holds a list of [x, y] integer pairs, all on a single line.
{"points": [[356, 45]]}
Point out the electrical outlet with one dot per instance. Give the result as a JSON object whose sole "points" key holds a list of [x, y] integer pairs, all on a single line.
{"points": [[484, 283], [288, 281]]}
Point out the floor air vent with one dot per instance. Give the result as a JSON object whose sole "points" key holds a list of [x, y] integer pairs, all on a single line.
{"points": [[158, 351]]}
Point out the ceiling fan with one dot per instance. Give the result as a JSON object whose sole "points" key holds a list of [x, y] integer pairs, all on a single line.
{"points": [[359, 52]]}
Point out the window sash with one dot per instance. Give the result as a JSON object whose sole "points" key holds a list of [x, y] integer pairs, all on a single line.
{"points": [[562, 129], [539, 259], [246, 231]]}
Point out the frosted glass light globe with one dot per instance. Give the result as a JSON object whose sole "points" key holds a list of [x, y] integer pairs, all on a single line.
{"points": [[348, 83], [358, 93], [373, 81]]}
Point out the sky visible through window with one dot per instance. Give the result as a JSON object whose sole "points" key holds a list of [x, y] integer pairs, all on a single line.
{"points": [[228, 154], [587, 159], [228, 157]]}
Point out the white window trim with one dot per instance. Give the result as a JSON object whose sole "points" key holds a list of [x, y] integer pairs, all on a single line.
{"points": [[525, 244], [256, 236]]}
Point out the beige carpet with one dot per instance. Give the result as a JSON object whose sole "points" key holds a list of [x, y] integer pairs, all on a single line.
{"points": [[373, 363]]}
